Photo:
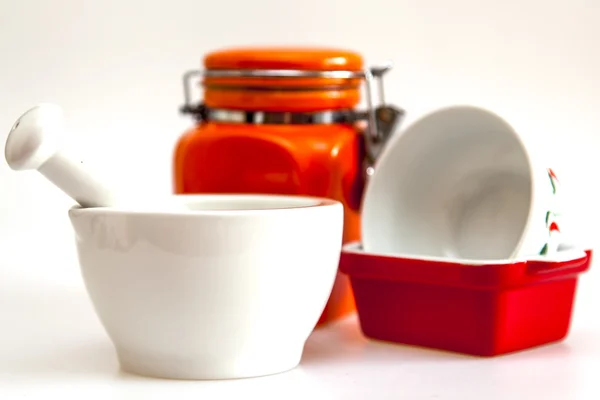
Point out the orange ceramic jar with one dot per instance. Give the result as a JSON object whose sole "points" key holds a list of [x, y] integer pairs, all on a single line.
{"points": [[282, 121]]}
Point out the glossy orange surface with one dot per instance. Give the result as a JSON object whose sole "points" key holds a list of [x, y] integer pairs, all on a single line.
{"points": [[317, 160], [305, 58], [305, 101]]}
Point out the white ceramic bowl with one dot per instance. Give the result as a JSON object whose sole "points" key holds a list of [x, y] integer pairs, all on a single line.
{"points": [[460, 183], [230, 288]]}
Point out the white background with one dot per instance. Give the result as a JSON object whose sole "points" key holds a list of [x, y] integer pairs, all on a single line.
{"points": [[115, 67]]}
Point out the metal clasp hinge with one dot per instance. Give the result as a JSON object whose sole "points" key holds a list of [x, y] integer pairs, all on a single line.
{"points": [[383, 119]]}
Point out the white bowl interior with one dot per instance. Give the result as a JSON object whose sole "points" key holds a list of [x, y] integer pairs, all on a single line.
{"points": [[246, 202], [455, 184], [209, 203]]}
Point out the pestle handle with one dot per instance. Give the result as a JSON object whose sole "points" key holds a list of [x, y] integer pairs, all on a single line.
{"points": [[34, 143]]}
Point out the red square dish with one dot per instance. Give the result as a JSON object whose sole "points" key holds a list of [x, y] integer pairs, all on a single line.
{"points": [[482, 310]]}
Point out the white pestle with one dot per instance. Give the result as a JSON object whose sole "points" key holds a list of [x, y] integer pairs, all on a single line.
{"points": [[34, 143]]}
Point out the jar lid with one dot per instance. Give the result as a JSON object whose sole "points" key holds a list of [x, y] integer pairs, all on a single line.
{"points": [[294, 79], [284, 58]]}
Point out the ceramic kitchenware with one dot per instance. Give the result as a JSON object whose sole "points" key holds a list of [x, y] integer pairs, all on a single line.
{"points": [[483, 308], [460, 183], [231, 288], [192, 287], [286, 120], [35, 143]]}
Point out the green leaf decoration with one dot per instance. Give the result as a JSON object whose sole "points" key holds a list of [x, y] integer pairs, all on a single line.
{"points": [[552, 183]]}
